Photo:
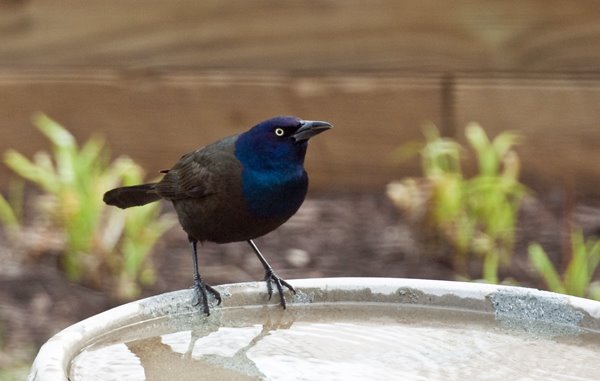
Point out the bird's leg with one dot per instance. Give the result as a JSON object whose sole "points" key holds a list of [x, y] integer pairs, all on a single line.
{"points": [[271, 277], [199, 284]]}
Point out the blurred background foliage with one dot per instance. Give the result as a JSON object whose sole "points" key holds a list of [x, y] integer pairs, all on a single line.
{"points": [[476, 215], [99, 246], [479, 215], [512, 201], [578, 277]]}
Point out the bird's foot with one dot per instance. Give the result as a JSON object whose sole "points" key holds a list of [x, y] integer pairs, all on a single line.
{"points": [[202, 295], [270, 278]]}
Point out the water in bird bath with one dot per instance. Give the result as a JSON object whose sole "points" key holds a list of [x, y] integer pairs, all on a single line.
{"points": [[341, 341]]}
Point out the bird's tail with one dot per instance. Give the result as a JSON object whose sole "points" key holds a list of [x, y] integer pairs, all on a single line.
{"points": [[135, 195]]}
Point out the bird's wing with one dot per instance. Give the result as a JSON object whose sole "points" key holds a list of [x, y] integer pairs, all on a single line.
{"points": [[197, 173]]}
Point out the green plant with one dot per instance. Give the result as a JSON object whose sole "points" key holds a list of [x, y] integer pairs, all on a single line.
{"points": [[99, 242], [11, 209], [475, 215], [577, 277]]}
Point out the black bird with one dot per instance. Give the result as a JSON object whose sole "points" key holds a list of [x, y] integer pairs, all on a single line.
{"points": [[236, 189]]}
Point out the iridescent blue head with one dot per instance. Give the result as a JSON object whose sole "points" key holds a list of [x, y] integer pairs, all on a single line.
{"points": [[278, 143], [272, 154]]}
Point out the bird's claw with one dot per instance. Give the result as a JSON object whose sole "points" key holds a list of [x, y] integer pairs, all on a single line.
{"points": [[202, 295], [270, 278]]}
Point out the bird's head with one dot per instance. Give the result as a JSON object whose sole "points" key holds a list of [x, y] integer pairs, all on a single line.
{"points": [[278, 142]]}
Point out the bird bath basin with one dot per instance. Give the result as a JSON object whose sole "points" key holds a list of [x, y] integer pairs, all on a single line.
{"points": [[336, 329]]}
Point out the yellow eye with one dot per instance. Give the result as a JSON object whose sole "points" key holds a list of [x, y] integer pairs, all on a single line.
{"points": [[279, 131]]}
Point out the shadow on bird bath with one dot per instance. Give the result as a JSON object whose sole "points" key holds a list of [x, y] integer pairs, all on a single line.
{"points": [[339, 328]]}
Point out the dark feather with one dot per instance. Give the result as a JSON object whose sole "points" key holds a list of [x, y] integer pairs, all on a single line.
{"points": [[200, 173], [135, 195]]}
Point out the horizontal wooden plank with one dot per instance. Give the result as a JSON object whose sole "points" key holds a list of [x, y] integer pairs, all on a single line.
{"points": [[156, 118], [559, 118], [429, 35]]}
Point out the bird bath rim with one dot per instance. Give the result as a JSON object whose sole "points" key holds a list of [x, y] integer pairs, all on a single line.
{"points": [[525, 306]]}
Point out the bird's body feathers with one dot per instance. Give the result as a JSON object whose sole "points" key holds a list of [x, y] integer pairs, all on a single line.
{"points": [[236, 189]]}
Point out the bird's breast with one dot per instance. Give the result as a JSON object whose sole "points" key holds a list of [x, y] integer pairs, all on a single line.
{"points": [[274, 194]]}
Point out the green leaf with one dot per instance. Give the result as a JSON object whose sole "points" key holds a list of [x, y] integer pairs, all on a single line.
{"points": [[7, 214], [16, 198], [44, 161], [545, 268], [89, 159], [593, 250], [505, 141], [56, 133], [576, 275], [477, 137], [488, 161], [25, 168], [490, 267]]}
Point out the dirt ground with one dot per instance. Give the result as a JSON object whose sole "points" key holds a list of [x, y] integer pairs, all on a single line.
{"points": [[354, 235]]}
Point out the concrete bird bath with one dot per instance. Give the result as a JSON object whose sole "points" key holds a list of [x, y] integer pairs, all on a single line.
{"points": [[336, 329]]}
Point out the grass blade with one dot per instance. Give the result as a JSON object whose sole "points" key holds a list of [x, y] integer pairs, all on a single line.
{"points": [[545, 268]]}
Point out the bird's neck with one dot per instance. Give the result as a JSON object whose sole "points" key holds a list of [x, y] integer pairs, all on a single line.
{"points": [[274, 194], [274, 182]]}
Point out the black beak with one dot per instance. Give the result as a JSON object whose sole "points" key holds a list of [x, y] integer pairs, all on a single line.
{"points": [[310, 128]]}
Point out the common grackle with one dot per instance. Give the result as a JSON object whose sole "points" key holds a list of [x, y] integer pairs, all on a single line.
{"points": [[236, 189]]}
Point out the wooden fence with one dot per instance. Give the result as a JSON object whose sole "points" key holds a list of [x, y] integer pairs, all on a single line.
{"points": [[160, 78]]}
